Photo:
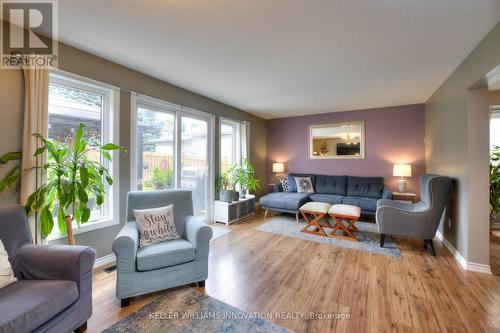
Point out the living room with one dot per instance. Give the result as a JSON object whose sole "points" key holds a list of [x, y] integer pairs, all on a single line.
{"points": [[279, 166]]}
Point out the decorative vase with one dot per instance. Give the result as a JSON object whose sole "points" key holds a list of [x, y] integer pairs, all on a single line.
{"points": [[236, 196], [69, 229], [243, 194], [226, 196]]}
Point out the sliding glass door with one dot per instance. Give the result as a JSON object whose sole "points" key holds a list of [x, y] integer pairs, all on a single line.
{"points": [[173, 149]]}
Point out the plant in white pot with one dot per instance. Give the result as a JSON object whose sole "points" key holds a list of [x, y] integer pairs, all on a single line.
{"points": [[223, 185], [75, 181], [244, 175]]}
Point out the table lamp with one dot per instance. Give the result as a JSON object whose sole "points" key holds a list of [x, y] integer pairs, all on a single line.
{"points": [[402, 170], [278, 168]]}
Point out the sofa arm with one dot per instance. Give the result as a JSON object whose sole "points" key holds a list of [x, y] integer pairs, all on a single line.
{"points": [[55, 262], [387, 193], [198, 234], [277, 188], [125, 247]]}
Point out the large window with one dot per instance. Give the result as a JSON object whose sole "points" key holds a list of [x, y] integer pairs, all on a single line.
{"points": [[230, 147], [173, 149], [74, 100]]}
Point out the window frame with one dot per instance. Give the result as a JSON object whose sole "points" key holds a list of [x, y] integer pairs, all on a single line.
{"points": [[109, 133]]}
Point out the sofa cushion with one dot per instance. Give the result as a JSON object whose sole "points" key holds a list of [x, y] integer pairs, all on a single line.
{"points": [[367, 204], [331, 185], [284, 200], [28, 304], [312, 176], [332, 199], [304, 185], [292, 185], [368, 187], [165, 254]]}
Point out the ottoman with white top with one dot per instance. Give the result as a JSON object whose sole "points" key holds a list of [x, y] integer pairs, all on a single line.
{"points": [[318, 211], [348, 213]]}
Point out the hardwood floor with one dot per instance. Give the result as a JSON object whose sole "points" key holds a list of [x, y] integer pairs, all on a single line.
{"points": [[263, 272]]}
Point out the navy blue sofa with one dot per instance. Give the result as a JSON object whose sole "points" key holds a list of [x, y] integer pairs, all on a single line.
{"points": [[363, 192]]}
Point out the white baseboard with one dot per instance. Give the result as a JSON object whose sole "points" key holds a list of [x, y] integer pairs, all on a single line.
{"points": [[104, 261], [468, 266]]}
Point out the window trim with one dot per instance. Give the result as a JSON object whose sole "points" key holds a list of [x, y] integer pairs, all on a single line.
{"points": [[110, 133]]}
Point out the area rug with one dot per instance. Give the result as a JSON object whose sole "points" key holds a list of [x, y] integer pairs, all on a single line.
{"points": [[369, 238], [189, 310], [219, 231]]}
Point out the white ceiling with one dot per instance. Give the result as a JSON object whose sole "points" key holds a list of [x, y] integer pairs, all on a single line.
{"points": [[278, 58]]}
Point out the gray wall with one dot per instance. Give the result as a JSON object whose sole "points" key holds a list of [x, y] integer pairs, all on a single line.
{"points": [[82, 63], [447, 140]]}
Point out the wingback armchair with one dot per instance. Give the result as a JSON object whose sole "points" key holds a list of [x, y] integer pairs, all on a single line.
{"points": [[166, 264], [418, 220], [54, 288]]}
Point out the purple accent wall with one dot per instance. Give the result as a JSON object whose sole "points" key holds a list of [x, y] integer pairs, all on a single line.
{"points": [[393, 135]]}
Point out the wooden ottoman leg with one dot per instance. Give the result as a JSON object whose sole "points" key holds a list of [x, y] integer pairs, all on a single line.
{"points": [[318, 229], [340, 226]]}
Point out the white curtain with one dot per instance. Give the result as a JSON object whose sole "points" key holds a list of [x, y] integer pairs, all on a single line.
{"points": [[36, 104]]}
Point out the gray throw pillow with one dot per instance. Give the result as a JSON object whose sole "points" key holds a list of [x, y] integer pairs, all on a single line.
{"points": [[155, 225], [304, 185]]}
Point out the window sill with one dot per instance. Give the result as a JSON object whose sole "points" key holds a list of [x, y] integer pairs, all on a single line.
{"points": [[89, 226]]}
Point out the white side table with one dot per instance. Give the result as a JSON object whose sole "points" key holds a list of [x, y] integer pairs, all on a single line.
{"points": [[231, 212]]}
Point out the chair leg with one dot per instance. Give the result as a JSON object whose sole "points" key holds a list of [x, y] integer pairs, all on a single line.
{"points": [[430, 247], [297, 217], [382, 240], [201, 284], [125, 302], [82, 328], [265, 213]]}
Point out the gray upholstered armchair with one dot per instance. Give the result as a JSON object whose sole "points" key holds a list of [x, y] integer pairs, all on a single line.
{"points": [[419, 220], [54, 288], [166, 264]]}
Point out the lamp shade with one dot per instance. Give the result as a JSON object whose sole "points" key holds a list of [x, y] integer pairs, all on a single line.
{"points": [[278, 167], [402, 170]]}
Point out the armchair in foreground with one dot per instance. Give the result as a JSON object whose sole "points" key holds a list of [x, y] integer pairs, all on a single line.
{"points": [[166, 264], [54, 288], [418, 220]]}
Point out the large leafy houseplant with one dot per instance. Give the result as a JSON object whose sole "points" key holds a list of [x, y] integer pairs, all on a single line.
{"points": [[494, 180], [73, 178], [244, 175]]}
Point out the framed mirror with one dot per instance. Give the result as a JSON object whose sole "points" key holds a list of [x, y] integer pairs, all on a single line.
{"points": [[337, 141]]}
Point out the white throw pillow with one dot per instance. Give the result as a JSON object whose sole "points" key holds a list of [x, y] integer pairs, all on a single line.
{"points": [[6, 274], [155, 225], [304, 185]]}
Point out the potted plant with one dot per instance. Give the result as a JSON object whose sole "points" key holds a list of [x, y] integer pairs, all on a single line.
{"points": [[74, 181], [245, 177], [494, 182], [223, 184]]}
